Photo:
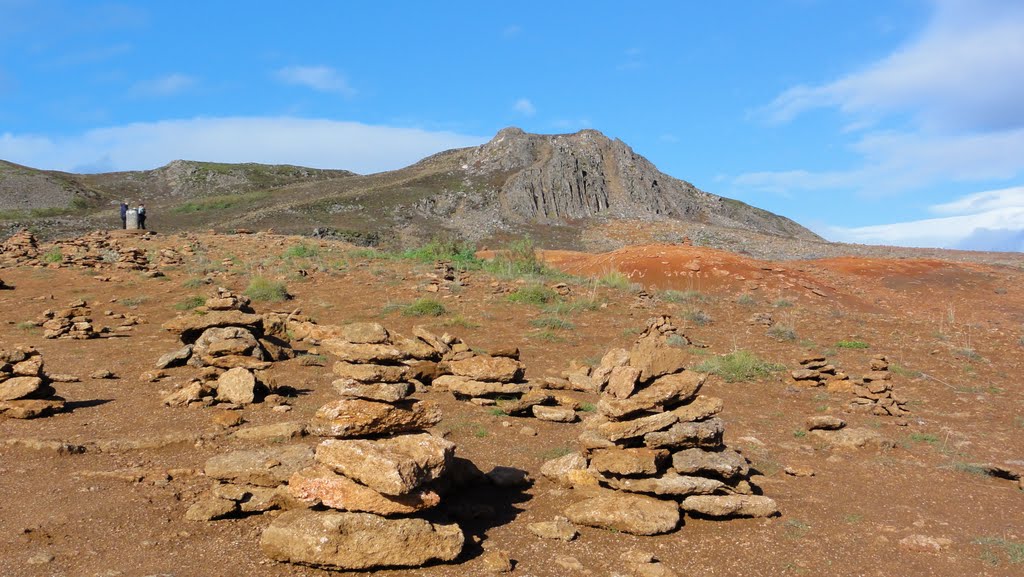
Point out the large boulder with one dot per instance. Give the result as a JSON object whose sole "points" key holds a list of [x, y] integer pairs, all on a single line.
{"points": [[633, 514], [488, 368], [348, 418], [237, 386], [358, 541], [395, 466], [19, 388], [264, 467], [321, 485], [190, 326], [730, 505]]}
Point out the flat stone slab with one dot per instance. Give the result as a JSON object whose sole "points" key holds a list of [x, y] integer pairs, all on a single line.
{"points": [[320, 485], [261, 467], [348, 418], [730, 505], [633, 514], [358, 541], [394, 466]]}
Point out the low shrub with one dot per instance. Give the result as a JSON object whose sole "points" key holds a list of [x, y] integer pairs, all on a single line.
{"points": [[424, 307], [264, 289], [739, 366]]}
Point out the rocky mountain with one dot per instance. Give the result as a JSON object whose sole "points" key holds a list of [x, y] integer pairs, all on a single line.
{"points": [[566, 190]]}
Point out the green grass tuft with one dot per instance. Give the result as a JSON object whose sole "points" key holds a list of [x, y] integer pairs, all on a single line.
{"points": [[264, 289], [689, 296], [190, 303], [782, 333], [852, 345], [616, 280], [301, 250], [739, 366], [53, 256], [424, 307], [534, 294], [552, 323]]}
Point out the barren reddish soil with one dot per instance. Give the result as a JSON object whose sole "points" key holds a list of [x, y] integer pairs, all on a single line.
{"points": [[954, 333]]}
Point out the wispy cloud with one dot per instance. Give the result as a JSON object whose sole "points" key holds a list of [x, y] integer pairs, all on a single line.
{"points": [[633, 60], [962, 72], [524, 106], [955, 92], [989, 220], [316, 143], [511, 31], [319, 78], [163, 86]]}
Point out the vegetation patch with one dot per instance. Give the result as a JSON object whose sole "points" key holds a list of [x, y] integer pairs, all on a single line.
{"points": [[782, 333], [264, 289], [689, 296], [190, 303], [616, 280], [302, 250], [424, 307], [852, 345], [53, 256], [220, 202], [997, 549], [739, 366], [462, 255], [552, 323], [697, 317], [534, 294]]}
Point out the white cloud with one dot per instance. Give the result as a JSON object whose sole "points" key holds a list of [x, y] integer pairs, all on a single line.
{"points": [[958, 83], [163, 86], [524, 106], [319, 78], [894, 162], [315, 143], [962, 72], [990, 220]]}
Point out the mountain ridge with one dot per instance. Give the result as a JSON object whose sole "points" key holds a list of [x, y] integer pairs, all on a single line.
{"points": [[515, 183]]}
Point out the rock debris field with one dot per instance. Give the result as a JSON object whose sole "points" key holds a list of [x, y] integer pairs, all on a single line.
{"points": [[223, 404]]}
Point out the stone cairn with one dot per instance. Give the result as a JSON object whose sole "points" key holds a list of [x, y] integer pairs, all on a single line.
{"points": [[377, 471], [498, 380], [816, 371], [250, 482], [232, 347], [873, 393], [72, 322], [655, 446], [20, 248], [25, 390]]}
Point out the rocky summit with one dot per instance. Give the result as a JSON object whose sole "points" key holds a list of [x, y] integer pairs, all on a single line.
{"points": [[517, 182]]}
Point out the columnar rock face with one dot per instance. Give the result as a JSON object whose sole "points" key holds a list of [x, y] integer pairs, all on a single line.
{"points": [[654, 443], [874, 392], [378, 469], [25, 389]]}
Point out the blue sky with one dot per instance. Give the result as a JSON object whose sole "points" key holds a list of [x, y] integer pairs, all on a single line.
{"points": [[876, 121]]}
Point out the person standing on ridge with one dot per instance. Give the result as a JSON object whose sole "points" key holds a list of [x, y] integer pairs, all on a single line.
{"points": [[142, 216], [124, 215]]}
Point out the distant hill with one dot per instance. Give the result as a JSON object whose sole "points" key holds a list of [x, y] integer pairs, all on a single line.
{"points": [[562, 189]]}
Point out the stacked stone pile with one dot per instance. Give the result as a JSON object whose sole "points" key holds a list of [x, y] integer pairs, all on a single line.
{"points": [[816, 371], [498, 380], [250, 482], [25, 389], [231, 348], [71, 322], [100, 250], [20, 248], [445, 277], [656, 447], [377, 473], [873, 392]]}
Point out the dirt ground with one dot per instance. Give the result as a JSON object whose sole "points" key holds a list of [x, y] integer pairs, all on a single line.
{"points": [[954, 332]]}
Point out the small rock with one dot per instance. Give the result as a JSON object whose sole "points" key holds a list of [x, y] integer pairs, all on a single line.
{"points": [[560, 528], [925, 544], [800, 471], [528, 432], [102, 374], [496, 562], [509, 477], [825, 422]]}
